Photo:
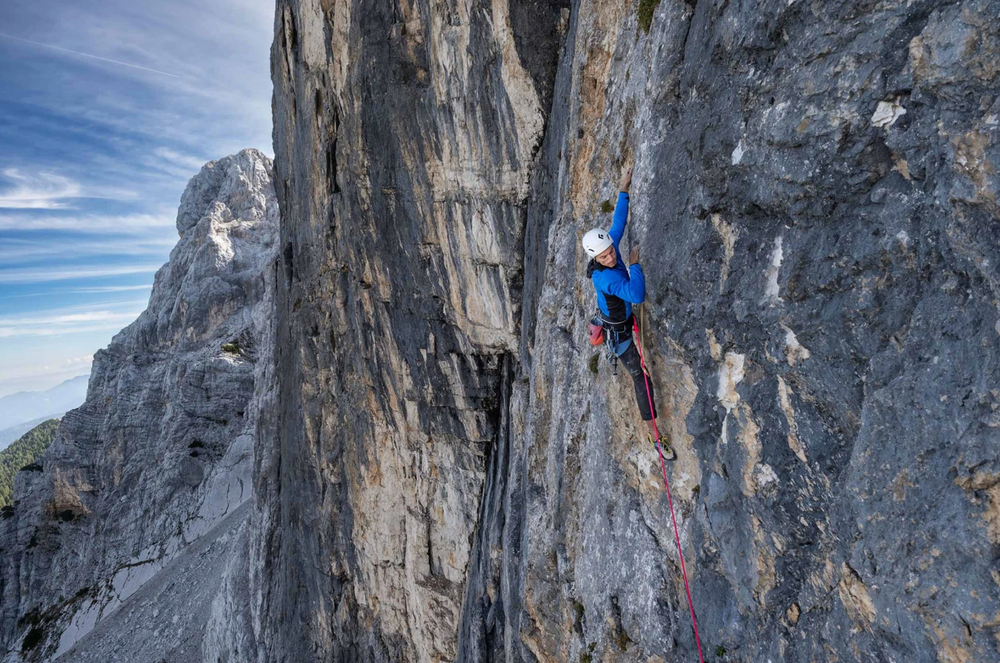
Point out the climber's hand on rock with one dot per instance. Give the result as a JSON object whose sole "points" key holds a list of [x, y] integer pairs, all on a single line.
{"points": [[626, 179], [633, 256]]}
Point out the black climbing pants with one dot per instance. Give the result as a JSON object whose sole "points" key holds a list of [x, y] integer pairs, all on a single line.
{"points": [[631, 361]]}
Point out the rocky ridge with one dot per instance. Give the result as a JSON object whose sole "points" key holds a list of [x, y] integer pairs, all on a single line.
{"points": [[161, 452]]}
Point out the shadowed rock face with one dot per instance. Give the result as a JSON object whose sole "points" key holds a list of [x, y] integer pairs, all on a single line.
{"points": [[816, 201], [162, 449]]}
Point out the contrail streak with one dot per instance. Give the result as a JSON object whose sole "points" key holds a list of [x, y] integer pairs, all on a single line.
{"points": [[88, 55]]}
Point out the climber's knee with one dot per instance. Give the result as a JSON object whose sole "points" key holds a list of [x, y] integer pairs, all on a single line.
{"points": [[630, 359]]}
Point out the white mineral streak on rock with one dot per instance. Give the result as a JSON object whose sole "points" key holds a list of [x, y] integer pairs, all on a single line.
{"points": [[773, 114], [738, 153], [794, 351], [887, 113], [771, 274]]}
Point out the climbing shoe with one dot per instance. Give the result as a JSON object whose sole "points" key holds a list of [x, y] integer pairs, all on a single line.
{"points": [[665, 448]]}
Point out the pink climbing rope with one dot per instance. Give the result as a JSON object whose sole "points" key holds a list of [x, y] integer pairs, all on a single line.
{"points": [[666, 484]]}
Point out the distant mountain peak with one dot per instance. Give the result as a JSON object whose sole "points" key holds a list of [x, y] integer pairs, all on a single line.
{"points": [[24, 406]]}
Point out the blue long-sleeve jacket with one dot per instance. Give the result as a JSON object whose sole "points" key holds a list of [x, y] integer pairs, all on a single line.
{"points": [[618, 287]]}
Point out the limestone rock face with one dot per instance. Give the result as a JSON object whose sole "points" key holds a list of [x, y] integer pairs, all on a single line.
{"points": [[161, 452], [407, 137], [815, 196]]}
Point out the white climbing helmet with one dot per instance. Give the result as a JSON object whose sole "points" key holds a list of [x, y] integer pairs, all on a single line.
{"points": [[596, 241]]}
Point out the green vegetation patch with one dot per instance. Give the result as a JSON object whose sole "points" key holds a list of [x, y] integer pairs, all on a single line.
{"points": [[592, 364], [607, 207], [232, 348], [22, 455], [646, 9]]}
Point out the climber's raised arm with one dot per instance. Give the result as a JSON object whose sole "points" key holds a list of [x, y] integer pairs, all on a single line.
{"points": [[621, 207]]}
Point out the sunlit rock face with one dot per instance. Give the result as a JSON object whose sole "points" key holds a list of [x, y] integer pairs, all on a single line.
{"points": [[407, 138], [160, 453], [815, 197]]}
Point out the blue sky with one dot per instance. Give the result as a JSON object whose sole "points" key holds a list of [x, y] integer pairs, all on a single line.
{"points": [[107, 108]]}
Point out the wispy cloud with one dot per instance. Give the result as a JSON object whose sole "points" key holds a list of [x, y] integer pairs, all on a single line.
{"points": [[91, 223], [39, 191], [183, 160], [64, 249], [74, 319], [43, 274], [113, 305], [69, 318], [96, 290], [110, 288], [88, 55], [66, 324]]}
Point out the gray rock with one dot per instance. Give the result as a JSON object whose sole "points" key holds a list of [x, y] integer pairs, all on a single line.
{"points": [[161, 452], [450, 481], [165, 619]]}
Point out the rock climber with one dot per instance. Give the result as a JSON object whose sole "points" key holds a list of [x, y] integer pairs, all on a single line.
{"points": [[618, 289]]}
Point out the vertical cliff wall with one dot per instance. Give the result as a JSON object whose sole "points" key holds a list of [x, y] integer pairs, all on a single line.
{"points": [[451, 477], [815, 201], [158, 460], [407, 135]]}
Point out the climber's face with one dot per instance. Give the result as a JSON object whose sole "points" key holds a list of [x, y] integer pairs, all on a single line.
{"points": [[607, 257]]}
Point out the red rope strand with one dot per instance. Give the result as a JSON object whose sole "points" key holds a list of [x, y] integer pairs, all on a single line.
{"points": [[666, 484]]}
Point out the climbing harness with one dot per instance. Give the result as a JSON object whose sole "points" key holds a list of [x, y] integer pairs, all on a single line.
{"points": [[615, 335], [670, 501]]}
